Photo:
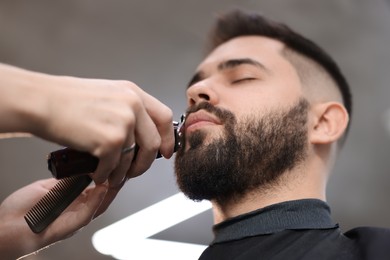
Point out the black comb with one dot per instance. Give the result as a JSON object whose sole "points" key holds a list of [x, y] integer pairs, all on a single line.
{"points": [[55, 202]]}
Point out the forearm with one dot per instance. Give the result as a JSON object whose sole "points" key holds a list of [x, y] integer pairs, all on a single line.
{"points": [[22, 99]]}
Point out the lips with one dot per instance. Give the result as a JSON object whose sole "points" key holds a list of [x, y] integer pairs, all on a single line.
{"points": [[199, 119]]}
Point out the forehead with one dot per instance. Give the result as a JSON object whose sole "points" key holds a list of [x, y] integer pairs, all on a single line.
{"points": [[262, 49]]}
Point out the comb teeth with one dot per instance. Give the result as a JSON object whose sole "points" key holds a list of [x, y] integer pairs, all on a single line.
{"points": [[55, 202]]}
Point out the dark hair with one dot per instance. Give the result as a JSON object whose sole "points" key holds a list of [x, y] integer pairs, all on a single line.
{"points": [[239, 23]]}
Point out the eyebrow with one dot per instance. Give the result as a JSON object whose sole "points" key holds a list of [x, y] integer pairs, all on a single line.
{"points": [[228, 64]]}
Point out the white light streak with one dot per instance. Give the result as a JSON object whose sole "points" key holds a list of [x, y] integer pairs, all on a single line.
{"points": [[129, 237]]}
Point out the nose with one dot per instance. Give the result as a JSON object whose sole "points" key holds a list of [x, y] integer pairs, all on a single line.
{"points": [[201, 92]]}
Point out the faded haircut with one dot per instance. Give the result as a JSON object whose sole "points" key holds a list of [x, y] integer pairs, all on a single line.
{"points": [[238, 23]]}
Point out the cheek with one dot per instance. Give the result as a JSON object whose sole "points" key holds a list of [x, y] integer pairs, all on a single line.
{"points": [[261, 101], [248, 105], [242, 100]]}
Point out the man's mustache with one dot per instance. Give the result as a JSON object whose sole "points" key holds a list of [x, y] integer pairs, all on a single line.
{"points": [[221, 114]]}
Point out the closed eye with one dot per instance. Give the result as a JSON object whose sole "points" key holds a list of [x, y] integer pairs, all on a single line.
{"points": [[243, 80]]}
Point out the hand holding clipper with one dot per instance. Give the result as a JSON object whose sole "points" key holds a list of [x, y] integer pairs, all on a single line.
{"points": [[68, 162]]}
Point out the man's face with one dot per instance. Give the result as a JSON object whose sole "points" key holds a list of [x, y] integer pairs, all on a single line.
{"points": [[246, 122]]}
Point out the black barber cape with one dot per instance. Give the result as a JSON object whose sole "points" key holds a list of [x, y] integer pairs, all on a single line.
{"points": [[301, 229]]}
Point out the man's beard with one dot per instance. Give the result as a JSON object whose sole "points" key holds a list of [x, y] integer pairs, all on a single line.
{"points": [[252, 154]]}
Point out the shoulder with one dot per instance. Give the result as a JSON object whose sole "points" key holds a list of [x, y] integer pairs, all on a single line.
{"points": [[368, 233], [374, 241]]}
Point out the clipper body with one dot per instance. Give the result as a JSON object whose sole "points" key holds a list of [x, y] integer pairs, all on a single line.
{"points": [[68, 162]]}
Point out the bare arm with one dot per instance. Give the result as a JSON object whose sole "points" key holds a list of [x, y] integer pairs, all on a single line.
{"points": [[98, 116]]}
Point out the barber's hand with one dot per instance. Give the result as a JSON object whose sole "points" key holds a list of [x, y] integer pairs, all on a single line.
{"points": [[104, 116], [97, 116], [16, 238]]}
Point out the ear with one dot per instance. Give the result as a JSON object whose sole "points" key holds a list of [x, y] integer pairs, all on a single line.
{"points": [[329, 123]]}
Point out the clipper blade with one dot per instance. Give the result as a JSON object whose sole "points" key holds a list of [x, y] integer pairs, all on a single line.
{"points": [[55, 202]]}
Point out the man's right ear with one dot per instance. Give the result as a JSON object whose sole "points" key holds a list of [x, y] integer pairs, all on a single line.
{"points": [[329, 122]]}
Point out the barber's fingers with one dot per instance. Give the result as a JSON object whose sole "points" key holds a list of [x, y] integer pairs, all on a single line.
{"points": [[109, 197], [167, 137], [148, 141], [95, 196], [114, 165], [163, 121], [118, 176], [119, 136], [105, 166], [79, 213], [162, 117], [151, 128]]}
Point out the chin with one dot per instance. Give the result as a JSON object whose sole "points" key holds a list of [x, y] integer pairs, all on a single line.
{"points": [[201, 137]]}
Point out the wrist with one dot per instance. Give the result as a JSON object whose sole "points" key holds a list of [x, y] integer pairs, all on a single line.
{"points": [[22, 99]]}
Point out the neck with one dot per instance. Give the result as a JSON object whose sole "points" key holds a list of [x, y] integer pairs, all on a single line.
{"points": [[294, 185]]}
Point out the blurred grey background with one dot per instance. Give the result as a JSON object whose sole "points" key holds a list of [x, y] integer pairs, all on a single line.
{"points": [[158, 44]]}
